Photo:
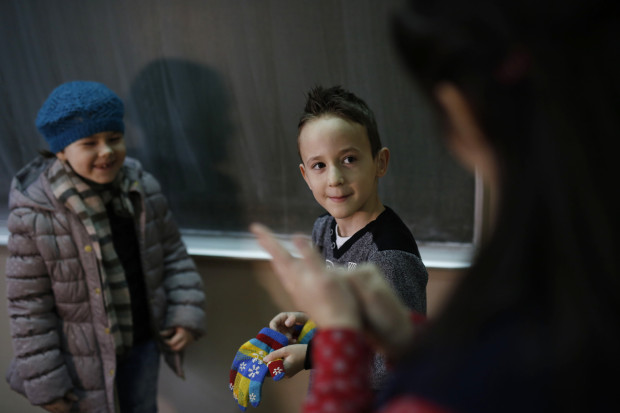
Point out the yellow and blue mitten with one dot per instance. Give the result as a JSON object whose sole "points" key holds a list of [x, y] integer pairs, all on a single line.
{"points": [[306, 332], [248, 369]]}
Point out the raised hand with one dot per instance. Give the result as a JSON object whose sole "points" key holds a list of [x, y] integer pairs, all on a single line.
{"points": [[387, 320], [359, 299], [324, 295]]}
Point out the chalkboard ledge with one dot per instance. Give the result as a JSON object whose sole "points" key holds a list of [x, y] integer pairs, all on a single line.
{"points": [[244, 246], [240, 246]]}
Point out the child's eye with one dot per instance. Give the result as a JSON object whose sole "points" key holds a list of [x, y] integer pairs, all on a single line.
{"points": [[318, 165], [88, 143], [349, 159]]}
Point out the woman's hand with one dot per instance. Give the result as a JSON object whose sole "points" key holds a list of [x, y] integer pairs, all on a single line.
{"points": [[387, 320], [359, 299], [324, 295]]}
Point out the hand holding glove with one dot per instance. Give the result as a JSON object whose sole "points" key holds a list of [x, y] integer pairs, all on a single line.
{"points": [[307, 332], [248, 369]]}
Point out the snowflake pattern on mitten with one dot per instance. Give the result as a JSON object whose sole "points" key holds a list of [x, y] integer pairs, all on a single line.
{"points": [[248, 369]]}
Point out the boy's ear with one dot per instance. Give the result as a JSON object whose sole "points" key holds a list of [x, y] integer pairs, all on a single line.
{"points": [[302, 168], [382, 160], [61, 155]]}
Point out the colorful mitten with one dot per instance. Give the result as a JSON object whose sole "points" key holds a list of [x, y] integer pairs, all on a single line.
{"points": [[307, 332], [248, 369]]}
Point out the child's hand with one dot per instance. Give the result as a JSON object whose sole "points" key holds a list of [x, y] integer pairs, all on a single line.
{"points": [[294, 356], [177, 338], [285, 323], [62, 405]]}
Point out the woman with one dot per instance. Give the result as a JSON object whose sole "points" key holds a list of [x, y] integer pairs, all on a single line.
{"points": [[528, 94]]}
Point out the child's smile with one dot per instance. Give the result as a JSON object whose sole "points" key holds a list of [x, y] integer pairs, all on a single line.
{"points": [[98, 157], [339, 198], [104, 166], [340, 170]]}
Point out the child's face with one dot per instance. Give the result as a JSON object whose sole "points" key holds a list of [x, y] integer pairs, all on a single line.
{"points": [[98, 157], [338, 166]]}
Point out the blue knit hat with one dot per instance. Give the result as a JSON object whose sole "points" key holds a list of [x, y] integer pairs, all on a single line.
{"points": [[75, 110]]}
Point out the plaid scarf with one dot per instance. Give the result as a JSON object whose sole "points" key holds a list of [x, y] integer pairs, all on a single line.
{"points": [[89, 206]]}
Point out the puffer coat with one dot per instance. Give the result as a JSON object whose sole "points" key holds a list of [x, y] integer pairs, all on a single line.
{"points": [[59, 327]]}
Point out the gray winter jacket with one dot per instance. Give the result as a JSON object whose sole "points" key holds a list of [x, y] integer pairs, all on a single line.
{"points": [[57, 317]]}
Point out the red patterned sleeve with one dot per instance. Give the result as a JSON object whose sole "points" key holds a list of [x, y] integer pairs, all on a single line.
{"points": [[341, 381], [411, 404]]}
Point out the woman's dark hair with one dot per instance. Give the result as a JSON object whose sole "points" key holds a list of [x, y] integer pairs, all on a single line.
{"points": [[542, 79]]}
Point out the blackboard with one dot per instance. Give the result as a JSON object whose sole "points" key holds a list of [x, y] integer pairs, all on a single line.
{"points": [[213, 91]]}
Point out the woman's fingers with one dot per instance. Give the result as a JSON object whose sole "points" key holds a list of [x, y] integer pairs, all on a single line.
{"points": [[324, 295], [282, 261], [387, 318], [310, 257]]}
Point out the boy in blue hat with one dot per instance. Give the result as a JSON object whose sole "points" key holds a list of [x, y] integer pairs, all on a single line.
{"points": [[99, 282]]}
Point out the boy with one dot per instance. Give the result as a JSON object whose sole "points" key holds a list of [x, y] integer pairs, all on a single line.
{"points": [[341, 161]]}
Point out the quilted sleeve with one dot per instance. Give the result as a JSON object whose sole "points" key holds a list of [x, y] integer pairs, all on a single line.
{"points": [[38, 367], [183, 284]]}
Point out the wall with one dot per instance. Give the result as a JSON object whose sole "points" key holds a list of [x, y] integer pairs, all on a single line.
{"points": [[213, 91], [242, 296]]}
